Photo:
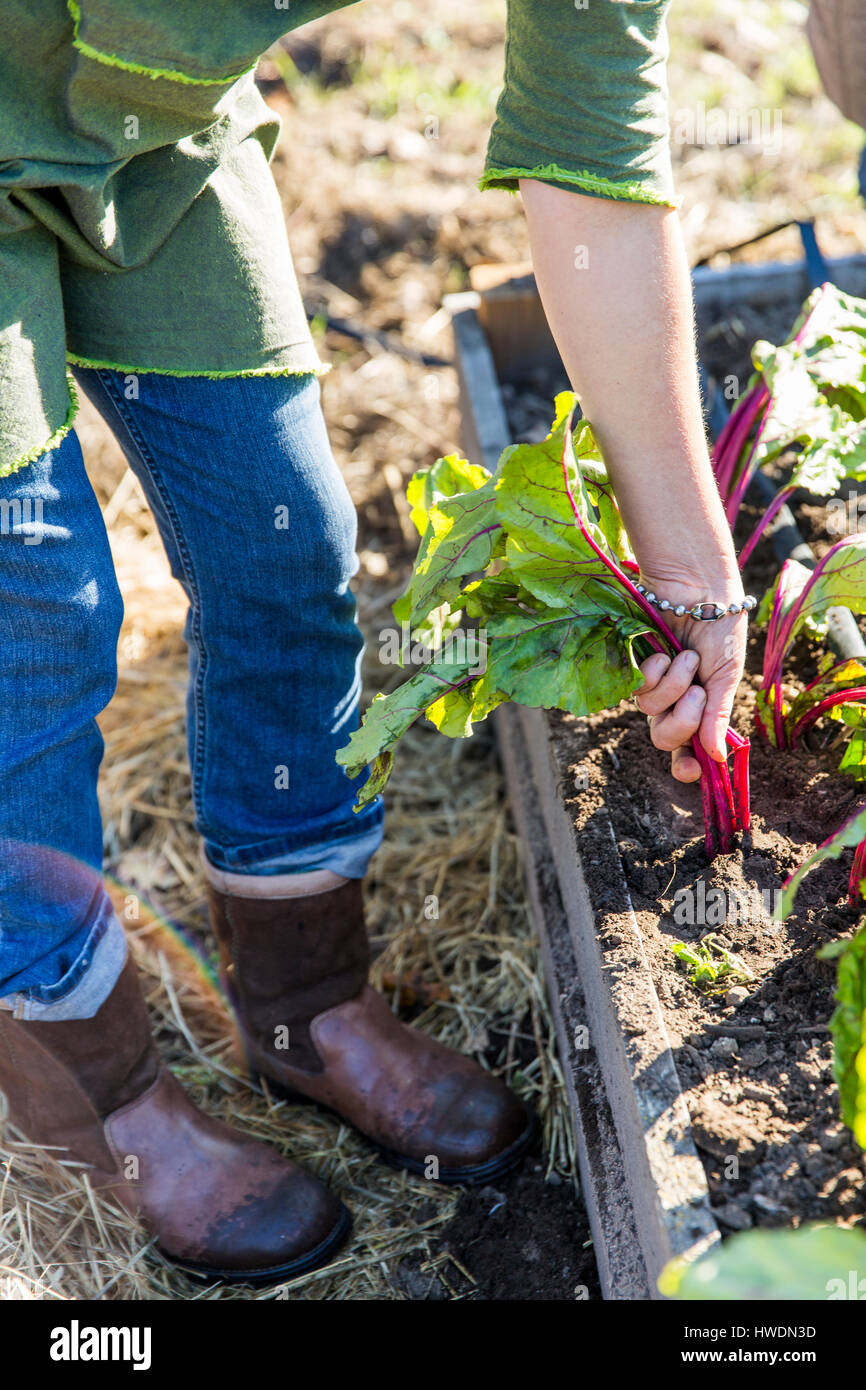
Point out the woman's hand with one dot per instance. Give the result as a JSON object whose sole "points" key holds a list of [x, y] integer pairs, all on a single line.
{"points": [[714, 655]]}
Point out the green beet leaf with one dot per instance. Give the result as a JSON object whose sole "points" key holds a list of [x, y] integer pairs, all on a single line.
{"points": [[854, 758], [848, 1027], [799, 412], [557, 660], [790, 582], [817, 391], [464, 534], [841, 581], [545, 550], [600, 491], [504, 566], [445, 478], [810, 1263], [427, 490], [390, 716]]}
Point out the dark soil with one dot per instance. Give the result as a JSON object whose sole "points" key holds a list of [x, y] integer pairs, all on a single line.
{"points": [[523, 1239], [765, 1097], [526, 1237], [758, 1076]]}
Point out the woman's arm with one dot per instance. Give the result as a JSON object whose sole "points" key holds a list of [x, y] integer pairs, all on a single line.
{"points": [[615, 286], [581, 128]]}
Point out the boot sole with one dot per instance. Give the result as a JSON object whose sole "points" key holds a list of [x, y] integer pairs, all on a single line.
{"points": [[473, 1175], [276, 1274]]}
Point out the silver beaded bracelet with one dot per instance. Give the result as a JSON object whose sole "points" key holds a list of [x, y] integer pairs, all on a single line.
{"points": [[698, 611]]}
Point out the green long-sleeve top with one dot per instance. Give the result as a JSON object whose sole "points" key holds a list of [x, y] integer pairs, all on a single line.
{"points": [[140, 227]]}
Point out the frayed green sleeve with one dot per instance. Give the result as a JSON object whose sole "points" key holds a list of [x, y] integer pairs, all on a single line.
{"points": [[584, 105]]}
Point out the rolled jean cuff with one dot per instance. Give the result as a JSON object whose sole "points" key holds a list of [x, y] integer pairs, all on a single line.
{"points": [[102, 966], [345, 853]]}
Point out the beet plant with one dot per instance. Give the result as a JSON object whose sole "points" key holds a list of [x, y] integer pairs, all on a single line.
{"points": [[798, 603], [839, 692], [808, 395], [537, 558]]}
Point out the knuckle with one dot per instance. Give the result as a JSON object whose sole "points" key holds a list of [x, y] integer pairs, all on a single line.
{"points": [[681, 686], [665, 738]]}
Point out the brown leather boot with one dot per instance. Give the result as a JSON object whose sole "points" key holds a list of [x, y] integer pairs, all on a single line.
{"points": [[222, 1206], [295, 969]]}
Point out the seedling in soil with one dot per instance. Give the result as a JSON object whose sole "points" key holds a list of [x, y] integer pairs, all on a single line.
{"points": [[808, 394], [710, 966], [537, 555]]}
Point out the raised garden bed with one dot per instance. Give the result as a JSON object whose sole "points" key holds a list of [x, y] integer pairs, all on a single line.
{"points": [[694, 1117]]}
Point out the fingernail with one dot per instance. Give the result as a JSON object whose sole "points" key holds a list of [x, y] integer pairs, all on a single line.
{"points": [[691, 660], [696, 695]]}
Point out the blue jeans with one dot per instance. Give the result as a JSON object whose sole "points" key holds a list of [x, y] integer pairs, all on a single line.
{"points": [[260, 531]]}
